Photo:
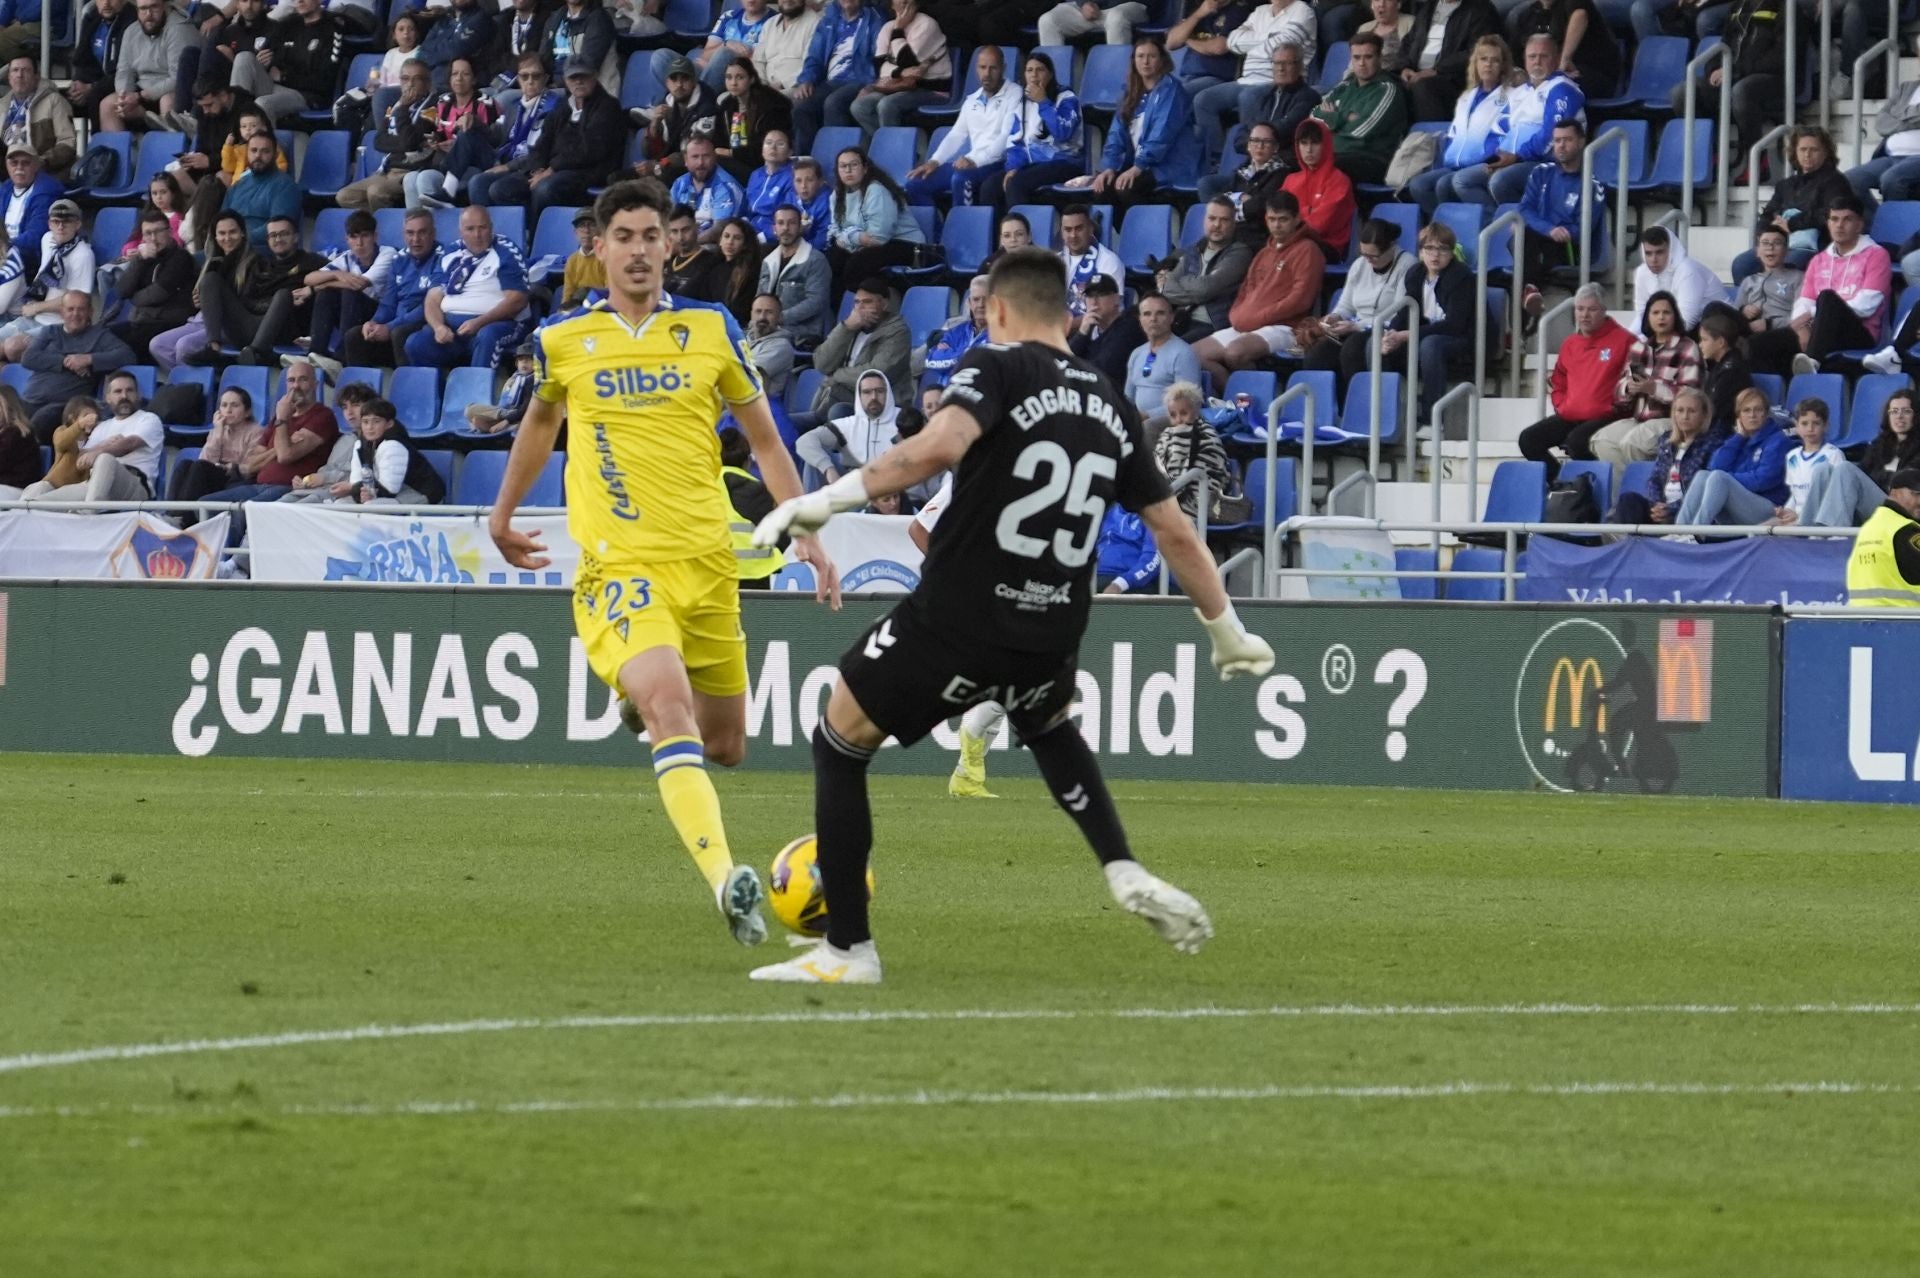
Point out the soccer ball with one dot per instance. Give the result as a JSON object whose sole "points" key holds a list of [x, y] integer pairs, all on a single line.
{"points": [[794, 891]]}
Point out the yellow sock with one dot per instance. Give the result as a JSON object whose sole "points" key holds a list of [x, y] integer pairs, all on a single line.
{"points": [[680, 765]]}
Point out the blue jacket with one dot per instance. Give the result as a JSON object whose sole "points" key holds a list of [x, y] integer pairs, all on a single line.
{"points": [[1532, 113], [765, 193], [719, 200], [1169, 148], [1042, 131], [1126, 549], [948, 345], [261, 199], [1759, 463], [15, 11], [816, 216], [1478, 128], [405, 298], [835, 29], [1553, 199], [33, 224], [457, 33]]}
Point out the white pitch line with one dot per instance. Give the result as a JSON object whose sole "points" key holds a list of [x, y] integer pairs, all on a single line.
{"points": [[442, 1029], [927, 1099]]}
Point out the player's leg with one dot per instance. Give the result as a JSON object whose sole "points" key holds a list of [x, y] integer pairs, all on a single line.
{"points": [[977, 726], [1073, 777], [843, 748]]}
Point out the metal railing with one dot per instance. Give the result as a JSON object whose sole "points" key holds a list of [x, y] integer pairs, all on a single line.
{"points": [[1358, 479], [1723, 54], [1775, 134], [1470, 391], [1621, 211], [1889, 46], [1410, 387], [1192, 477], [1226, 566], [1516, 317], [1300, 390], [1540, 355]]}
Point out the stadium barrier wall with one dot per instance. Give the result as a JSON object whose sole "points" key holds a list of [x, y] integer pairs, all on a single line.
{"points": [[1448, 696], [1850, 709]]}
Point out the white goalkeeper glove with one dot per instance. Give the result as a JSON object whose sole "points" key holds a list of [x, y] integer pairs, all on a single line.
{"points": [[806, 514], [1235, 652]]}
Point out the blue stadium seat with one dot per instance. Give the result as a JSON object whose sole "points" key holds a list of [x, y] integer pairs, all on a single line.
{"points": [[553, 237], [191, 375], [323, 168], [112, 227], [367, 161], [1870, 396], [362, 68], [464, 386], [689, 19], [1667, 176], [181, 460], [1606, 163], [1828, 387], [925, 216], [1659, 65], [1062, 57], [1414, 559], [1894, 223], [1103, 78], [1772, 386], [253, 380], [638, 88], [1194, 225], [441, 459], [121, 144], [1041, 218], [509, 221], [481, 473], [446, 225], [830, 141], [1356, 415], [1599, 474], [893, 149], [1146, 235], [1404, 216], [1286, 492], [1333, 66], [415, 394], [1259, 385], [1634, 478], [801, 390], [155, 150], [392, 226], [1466, 221], [1478, 559], [359, 375], [329, 231], [15, 375], [968, 236], [145, 375], [925, 308], [1518, 493]]}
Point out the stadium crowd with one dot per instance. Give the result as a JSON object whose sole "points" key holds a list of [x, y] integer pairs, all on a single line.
{"points": [[1236, 189]]}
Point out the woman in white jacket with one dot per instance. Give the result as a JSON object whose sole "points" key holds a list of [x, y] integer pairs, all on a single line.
{"points": [[1479, 125]]}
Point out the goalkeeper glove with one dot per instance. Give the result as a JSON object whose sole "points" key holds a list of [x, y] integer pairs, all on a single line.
{"points": [[1235, 652], [803, 515]]}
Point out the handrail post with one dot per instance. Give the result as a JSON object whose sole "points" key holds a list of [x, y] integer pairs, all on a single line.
{"points": [[1510, 565], [1299, 390], [1188, 478], [1722, 53], [1860, 90], [1792, 112], [1513, 219], [1772, 135], [1621, 210], [1618, 137], [1378, 330], [1540, 389], [1466, 390], [1823, 83]]}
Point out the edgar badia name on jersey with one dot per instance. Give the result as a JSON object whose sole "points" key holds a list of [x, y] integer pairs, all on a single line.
{"points": [[1038, 406]]}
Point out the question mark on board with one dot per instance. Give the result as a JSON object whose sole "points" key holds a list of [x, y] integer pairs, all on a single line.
{"points": [[1401, 663]]}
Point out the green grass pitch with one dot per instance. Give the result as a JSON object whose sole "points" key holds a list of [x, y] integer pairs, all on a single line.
{"points": [[1484, 1035]]}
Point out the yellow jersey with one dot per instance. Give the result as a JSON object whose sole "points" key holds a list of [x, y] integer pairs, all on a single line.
{"points": [[643, 461]]}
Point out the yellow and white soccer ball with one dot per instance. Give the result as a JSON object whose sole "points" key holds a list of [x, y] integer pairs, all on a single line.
{"points": [[793, 889]]}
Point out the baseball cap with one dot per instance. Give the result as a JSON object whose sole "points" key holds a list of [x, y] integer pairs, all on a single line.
{"points": [[524, 351], [1908, 479], [585, 217], [680, 66], [580, 66], [64, 208], [1100, 286], [20, 148]]}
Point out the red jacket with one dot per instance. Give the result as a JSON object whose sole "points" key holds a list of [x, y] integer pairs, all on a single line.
{"points": [[1587, 373], [1282, 284]]}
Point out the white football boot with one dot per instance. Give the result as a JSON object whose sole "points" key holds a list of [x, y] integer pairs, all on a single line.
{"points": [[739, 899], [825, 965], [1180, 920]]}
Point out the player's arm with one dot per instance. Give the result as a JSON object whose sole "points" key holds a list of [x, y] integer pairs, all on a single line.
{"points": [[938, 447], [531, 448], [1234, 650], [777, 473]]}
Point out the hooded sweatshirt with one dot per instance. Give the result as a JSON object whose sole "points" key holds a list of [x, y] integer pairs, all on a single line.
{"points": [[1860, 278], [1692, 284], [1324, 192], [1479, 123], [852, 441], [1282, 284]]}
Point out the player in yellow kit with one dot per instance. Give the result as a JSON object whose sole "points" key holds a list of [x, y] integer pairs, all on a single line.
{"points": [[642, 378]]}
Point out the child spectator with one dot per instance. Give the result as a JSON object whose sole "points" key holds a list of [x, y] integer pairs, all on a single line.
{"points": [[1766, 297], [1845, 496], [504, 413], [1813, 456], [584, 271]]}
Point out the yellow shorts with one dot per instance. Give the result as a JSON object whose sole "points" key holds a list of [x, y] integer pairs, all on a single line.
{"points": [[689, 605]]}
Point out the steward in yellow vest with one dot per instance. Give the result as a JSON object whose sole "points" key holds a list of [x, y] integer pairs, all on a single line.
{"points": [[751, 502], [1884, 569]]}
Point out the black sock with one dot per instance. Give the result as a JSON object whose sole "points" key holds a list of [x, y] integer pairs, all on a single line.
{"points": [[1073, 775], [843, 827]]}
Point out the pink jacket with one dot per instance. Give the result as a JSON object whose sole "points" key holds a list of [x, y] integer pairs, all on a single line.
{"points": [[1863, 280]]}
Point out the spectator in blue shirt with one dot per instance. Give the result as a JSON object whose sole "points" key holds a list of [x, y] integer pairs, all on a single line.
{"points": [[1545, 98], [1152, 143], [26, 200], [770, 185], [814, 199], [263, 192], [839, 62], [477, 306], [1746, 479], [1044, 144], [957, 337], [1126, 559], [1160, 361], [709, 190], [734, 34], [465, 31], [381, 341]]}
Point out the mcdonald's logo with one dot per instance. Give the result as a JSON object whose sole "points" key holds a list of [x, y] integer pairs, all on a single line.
{"points": [[1686, 671], [1576, 677]]}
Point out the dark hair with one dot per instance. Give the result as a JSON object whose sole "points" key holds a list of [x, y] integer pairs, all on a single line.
{"points": [[1816, 407], [1021, 218], [1369, 38], [202, 87], [789, 207], [874, 284], [377, 407], [419, 214], [228, 215], [745, 272], [1655, 237], [1077, 210], [294, 222], [1768, 229], [1379, 232], [908, 421], [149, 214], [771, 297], [355, 393], [119, 373], [1053, 78], [874, 173], [1032, 281], [246, 399], [1284, 201], [1574, 123], [1913, 404], [1722, 326], [1646, 325], [734, 449], [1846, 202], [634, 193], [1136, 86], [360, 222]]}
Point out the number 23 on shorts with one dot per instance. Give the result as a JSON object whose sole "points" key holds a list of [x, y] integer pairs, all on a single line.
{"points": [[617, 598]]}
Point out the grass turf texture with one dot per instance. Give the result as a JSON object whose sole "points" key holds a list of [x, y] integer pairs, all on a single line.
{"points": [[165, 900]]}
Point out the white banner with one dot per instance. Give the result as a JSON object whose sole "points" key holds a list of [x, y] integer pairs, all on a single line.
{"points": [[1357, 551], [872, 552], [125, 544], [300, 541]]}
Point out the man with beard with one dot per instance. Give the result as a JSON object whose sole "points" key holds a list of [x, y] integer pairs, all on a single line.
{"points": [[263, 192], [159, 283], [768, 345], [798, 277]]}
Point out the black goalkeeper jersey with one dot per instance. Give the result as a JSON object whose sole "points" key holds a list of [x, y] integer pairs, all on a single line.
{"points": [[1010, 564]]}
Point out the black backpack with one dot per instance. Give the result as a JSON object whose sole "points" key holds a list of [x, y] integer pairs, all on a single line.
{"points": [[100, 166]]}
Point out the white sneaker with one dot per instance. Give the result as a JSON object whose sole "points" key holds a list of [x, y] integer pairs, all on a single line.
{"points": [[739, 899], [1180, 920], [825, 965], [1804, 363], [1884, 360]]}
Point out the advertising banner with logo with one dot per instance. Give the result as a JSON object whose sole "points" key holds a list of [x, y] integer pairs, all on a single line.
{"points": [[117, 544], [1634, 700], [1850, 710], [296, 541], [1648, 570], [872, 552]]}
